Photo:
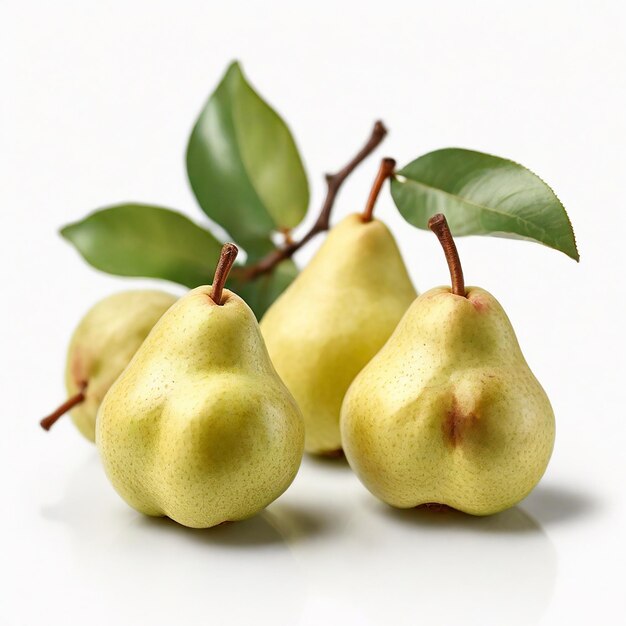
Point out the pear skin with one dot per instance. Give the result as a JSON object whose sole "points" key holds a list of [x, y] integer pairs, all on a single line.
{"points": [[103, 344], [334, 318], [199, 427]]}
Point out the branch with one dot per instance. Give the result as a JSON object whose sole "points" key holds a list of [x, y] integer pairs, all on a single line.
{"points": [[333, 182]]}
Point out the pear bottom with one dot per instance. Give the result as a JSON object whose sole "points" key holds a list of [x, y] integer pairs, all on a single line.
{"points": [[221, 454], [443, 451]]}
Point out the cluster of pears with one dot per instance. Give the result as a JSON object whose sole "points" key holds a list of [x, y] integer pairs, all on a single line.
{"points": [[430, 398], [203, 416]]}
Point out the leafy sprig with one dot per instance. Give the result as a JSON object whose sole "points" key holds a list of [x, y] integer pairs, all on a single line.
{"points": [[247, 175]]}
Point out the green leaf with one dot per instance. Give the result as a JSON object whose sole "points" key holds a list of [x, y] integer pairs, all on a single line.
{"points": [[148, 241], [262, 291], [244, 167], [481, 194]]}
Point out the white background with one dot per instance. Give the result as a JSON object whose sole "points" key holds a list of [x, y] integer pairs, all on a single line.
{"points": [[97, 100]]}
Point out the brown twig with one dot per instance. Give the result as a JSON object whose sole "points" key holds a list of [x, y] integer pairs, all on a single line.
{"points": [[227, 258], [47, 422], [439, 225], [387, 167], [333, 182]]}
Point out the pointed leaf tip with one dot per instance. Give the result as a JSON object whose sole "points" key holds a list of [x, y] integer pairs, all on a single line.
{"points": [[481, 194], [146, 241], [244, 166]]}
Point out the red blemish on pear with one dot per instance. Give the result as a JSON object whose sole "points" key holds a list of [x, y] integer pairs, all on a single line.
{"points": [[479, 303], [456, 424]]}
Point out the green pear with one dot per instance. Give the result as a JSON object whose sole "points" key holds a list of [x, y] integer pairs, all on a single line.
{"points": [[102, 345], [448, 412], [199, 427], [334, 318]]}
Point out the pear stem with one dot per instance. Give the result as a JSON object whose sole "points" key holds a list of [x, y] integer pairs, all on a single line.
{"points": [[334, 182], [439, 225], [227, 258], [47, 422], [387, 167]]}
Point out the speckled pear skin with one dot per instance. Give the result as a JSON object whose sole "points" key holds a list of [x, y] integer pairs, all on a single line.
{"points": [[448, 411], [334, 318], [199, 427], [103, 344]]}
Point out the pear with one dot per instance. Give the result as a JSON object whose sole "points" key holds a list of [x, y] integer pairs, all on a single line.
{"points": [[199, 427], [334, 317], [448, 412], [102, 345]]}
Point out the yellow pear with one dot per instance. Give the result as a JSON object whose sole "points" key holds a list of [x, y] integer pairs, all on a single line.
{"points": [[199, 427], [334, 317], [102, 345], [448, 411]]}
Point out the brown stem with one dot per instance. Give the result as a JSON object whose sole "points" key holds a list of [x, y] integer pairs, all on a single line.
{"points": [[387, 167], [333, 182], [227, 258], [47, 422], [439, 225]]}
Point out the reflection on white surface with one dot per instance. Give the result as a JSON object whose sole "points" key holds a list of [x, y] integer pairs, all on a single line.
{"points": [[154, 569], [438, 567], [445, 566], [325, 552]]}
